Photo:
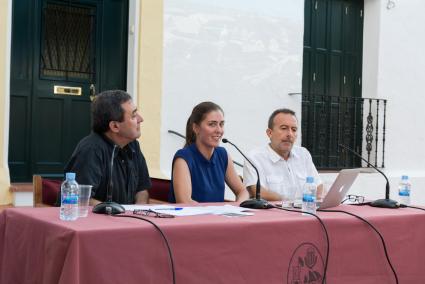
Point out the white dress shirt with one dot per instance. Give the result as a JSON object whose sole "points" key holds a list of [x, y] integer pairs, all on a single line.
{"points": [[280, 175]]}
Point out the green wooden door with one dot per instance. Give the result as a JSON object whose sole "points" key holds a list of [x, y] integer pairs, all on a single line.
{"points": [[59, 50], [331, 87]]}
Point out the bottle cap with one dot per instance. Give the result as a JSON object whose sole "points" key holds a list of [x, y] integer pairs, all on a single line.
{"points": [[404, 177], [70, 176], [309, 179]]}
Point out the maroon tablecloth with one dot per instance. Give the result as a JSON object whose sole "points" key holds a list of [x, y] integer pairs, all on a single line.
{"points": [[271, 247]]}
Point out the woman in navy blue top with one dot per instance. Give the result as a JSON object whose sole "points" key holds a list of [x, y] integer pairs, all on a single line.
{"points": [[201, 169]]}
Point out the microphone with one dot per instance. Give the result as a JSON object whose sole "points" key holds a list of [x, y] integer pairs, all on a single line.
{"points": [[108, 207], [257, 202], [383, 203]]}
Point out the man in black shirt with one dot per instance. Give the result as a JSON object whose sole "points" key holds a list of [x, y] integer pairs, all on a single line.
{"points": [[116, 123]]}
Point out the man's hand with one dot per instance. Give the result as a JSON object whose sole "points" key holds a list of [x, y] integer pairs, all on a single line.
{"points": [[142, 197], [93, 202], [321, 192]]}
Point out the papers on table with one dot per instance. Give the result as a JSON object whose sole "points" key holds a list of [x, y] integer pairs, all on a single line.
{"points": [[229, 211], [225, 210]]}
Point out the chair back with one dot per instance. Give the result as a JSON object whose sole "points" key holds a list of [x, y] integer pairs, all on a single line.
{"points": [[158, 193], [46, 191]]}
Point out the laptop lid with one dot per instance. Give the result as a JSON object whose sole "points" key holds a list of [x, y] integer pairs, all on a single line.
{"points": [[339, 188]]}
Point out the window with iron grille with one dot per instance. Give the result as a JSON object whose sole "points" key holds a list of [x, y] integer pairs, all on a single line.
{"points": [[333, 109], [357, 123], [68, 43]]}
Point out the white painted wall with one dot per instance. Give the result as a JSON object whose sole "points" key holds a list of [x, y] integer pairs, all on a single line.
{"points": [[401, 79], [393, 68], [246, 55]]}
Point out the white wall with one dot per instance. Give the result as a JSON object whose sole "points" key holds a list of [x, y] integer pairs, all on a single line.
{"points": [[393, 68], [401, 80], [246, 55]]}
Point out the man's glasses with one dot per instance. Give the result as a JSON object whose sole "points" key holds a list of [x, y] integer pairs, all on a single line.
{"points": [[151, 213], [354, 198]]}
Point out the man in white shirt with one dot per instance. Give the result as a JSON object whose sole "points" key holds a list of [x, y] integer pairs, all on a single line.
{"points": [[283, 166]]}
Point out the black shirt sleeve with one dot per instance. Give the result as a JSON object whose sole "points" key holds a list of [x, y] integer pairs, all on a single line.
{"points": [[144, 179], [87, 164]]}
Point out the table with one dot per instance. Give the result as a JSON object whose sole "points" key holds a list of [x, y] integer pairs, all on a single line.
{"points": [[273, 246]]}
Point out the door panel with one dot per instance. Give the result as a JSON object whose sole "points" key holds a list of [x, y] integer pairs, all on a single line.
{"points": [[350, 76], [331, 73], [319, 80], [47, 144], [307, 23], [114, 56], [335, 74], [20, 89], [72, 44], [319, 22], [65, 57], [75, 131], [307, 72], [336, 26]]}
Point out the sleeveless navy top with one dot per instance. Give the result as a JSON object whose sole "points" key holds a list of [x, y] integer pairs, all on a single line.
{"points": [[208, 176]]}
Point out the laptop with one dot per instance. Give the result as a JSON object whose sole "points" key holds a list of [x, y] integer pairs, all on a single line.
{"points": [[338, 190]]}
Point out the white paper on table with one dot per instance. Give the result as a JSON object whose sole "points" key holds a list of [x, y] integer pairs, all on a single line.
{"points": [[131, 207], [230, 210], [227, 210], [184, 211], [170, 209]]}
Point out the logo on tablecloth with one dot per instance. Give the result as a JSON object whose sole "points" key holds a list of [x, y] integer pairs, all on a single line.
{"points": [[306, 265]]}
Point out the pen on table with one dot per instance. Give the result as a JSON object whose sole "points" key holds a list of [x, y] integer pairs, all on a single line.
{"points": [[176, 208]]}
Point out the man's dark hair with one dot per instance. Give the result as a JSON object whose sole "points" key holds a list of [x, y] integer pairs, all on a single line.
{"points": [[106, 107], [276, 112]]}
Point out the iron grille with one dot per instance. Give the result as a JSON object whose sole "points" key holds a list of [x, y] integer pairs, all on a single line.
{"points": [[358, 123], [68, 43]]}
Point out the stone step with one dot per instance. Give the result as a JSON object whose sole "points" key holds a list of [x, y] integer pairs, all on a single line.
{"points": [[21, 187], [22, 193]]}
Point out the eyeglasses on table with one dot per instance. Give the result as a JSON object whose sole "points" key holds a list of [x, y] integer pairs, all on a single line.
{"points": [[151, 213], [354, 198]]}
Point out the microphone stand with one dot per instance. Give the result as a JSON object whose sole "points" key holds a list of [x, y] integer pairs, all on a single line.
{"points": [[383, 203], [109, 207], [257, 202]]}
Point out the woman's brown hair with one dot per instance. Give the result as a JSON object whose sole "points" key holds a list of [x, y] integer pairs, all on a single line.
{"points": [[198, 114]]}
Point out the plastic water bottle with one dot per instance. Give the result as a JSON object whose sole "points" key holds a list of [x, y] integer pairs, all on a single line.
{"points": [[69, 198], [309, 196], [404, 190]]}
